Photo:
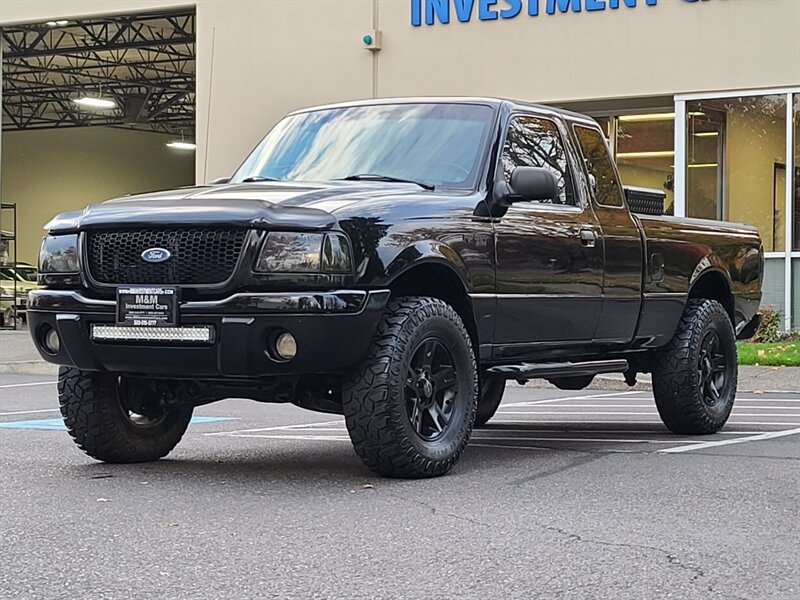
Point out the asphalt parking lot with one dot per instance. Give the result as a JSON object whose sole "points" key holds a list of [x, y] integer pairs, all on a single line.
{"points": [[564, 495]]}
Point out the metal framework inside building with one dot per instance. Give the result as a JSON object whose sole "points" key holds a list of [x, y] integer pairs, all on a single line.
{"points": [[144, 62]]}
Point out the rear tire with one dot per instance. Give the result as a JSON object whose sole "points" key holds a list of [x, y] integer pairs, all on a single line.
{"points": [[96, 418], [410, 406], [492, 391], [695, 375]]}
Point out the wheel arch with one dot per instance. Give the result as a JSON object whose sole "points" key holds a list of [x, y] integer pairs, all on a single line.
{"points": [[713, 283], [438, 278]]}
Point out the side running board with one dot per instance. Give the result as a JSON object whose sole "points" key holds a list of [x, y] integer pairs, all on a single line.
{"points": [[564, 369]]}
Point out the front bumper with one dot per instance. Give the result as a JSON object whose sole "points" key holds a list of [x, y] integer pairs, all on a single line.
{"points": [[333, 331]]}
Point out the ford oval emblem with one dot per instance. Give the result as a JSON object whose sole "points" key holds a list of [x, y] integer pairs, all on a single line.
{"points": [[156, 255]]}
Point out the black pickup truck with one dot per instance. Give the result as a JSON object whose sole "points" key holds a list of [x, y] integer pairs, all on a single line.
{"points": [[394, 261]]}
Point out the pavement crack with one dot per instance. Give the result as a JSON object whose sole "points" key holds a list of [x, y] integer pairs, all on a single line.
{"points": [[672, 558]]}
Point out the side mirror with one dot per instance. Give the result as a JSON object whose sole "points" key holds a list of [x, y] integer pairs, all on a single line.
{"points": [[220, 180], [533, 184]]}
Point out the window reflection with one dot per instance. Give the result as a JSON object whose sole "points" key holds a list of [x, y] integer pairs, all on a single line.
{"points": [[645, 152], [736, 163], [796, 204], [440, 144], [533, 142]]}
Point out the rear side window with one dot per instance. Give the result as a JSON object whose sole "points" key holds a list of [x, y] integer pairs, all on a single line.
{"points": [[534, 142], [598, 163]]}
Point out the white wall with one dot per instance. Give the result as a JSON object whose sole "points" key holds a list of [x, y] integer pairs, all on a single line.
{"points": [[46, 172]]}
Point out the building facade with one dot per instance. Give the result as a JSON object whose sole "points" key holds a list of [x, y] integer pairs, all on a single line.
{"points": [[700, 98]]}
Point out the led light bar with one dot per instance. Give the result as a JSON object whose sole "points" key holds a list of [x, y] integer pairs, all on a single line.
{"points": [[114, 333]]}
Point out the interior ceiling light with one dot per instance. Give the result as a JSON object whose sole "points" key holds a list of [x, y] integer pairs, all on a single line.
{"points": [[655, 117], [707, 134], [57, 23], [93, 102], [650, 117], [181, 145], [654, 154]]}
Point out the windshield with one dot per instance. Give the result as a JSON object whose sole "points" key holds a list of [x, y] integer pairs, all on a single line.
{"points": [[433, 144]]}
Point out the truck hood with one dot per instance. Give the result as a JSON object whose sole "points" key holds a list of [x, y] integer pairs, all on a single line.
{"points": [[262, 205]]}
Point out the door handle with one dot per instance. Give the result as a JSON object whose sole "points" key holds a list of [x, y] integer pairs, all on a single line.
{"points": [[588, 237]]}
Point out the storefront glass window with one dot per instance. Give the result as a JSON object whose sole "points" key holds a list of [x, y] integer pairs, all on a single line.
{"points": [[796, 245], [736, 163], [645, 152]]}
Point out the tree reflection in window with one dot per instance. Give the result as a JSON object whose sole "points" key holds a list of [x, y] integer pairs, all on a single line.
{"points": [[533, 142], [598, 162]]}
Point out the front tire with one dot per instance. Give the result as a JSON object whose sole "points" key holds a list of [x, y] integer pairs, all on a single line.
{"points": [[695, 375], [410, 406], [94, 412]]}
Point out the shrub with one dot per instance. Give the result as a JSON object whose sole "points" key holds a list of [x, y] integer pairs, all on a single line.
{"points": [[770, 330]]}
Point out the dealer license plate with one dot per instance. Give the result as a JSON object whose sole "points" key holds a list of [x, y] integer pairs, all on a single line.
{"points": [[144, 306]]}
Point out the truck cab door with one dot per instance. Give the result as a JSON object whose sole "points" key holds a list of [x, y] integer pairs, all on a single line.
{"points": [[622, 240], [549, 255]]}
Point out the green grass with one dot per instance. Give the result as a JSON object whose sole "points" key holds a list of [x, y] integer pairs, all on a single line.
{"points": [[781, 354]]}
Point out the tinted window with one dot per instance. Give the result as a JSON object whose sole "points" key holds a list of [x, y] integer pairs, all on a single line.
{"points": [[440, 144], [534, 142], [599, 166]]}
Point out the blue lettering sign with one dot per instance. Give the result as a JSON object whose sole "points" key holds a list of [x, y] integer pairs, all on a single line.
{"points": [[435, 11], [563, 6], [512, 10], [463, 9]]}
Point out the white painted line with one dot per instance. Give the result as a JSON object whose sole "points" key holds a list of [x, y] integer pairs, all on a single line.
{"points": [[313, 438], [26, 412], [618, 422], [752, 438], [737, 405], [16, 385], [571, 398], [593, 431], [540, 449], [278, 428], [592, 440], [537, 412]]}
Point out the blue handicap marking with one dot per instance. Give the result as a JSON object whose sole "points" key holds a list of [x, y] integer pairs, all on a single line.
{"points": [[58, 424]]}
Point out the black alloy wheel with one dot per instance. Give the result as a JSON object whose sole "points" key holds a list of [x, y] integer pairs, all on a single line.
{"points": [[712, 369], [430, 390]]}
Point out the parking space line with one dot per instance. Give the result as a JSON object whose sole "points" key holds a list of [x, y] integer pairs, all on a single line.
{"points": [[752, 438], [28, 412], [510, 447], [615, 395], [16, 385], [276, 428], [581, 440]]}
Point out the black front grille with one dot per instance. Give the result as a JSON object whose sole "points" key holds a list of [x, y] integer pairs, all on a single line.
{"points": [[198, 255]]}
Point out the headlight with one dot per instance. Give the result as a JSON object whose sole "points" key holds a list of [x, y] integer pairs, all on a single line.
{"points": [[294, 252], [59, 254]]}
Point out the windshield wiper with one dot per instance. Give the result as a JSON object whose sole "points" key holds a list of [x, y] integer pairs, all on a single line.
{"points": [[258, 178], [378, 177]]}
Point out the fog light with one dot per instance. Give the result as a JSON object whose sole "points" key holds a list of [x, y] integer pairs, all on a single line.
{"points": [[52, 343], [286, 346]]}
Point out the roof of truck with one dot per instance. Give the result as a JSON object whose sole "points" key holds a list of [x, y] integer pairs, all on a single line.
{"points": [[494, 102]]}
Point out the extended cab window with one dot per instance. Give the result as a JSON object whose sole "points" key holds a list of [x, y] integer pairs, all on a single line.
{"points": [[534, 142], [598, 163]]}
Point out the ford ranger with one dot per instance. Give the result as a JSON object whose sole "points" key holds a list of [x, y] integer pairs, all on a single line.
{"points": [[395, 262]]}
